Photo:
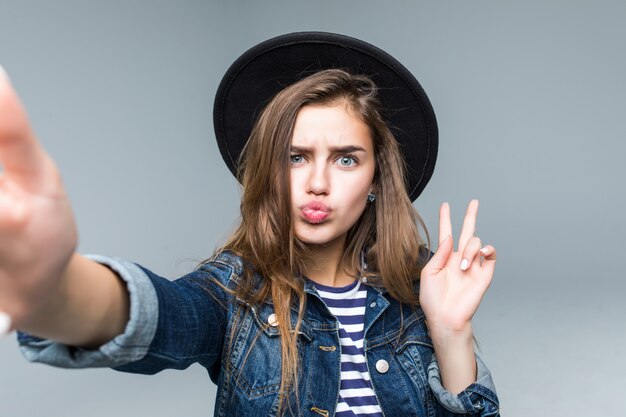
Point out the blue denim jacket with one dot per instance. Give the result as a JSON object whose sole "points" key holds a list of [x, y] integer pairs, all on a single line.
{"points": [[174, 324]]}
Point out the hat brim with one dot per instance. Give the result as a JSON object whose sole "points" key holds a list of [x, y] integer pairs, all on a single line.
{"points": [[262, 71]]}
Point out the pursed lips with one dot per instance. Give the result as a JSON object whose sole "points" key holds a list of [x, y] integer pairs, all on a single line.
{"points": [[315, 212]]}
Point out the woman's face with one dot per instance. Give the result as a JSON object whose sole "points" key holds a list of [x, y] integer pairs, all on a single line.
{"points": [[332, 169]]}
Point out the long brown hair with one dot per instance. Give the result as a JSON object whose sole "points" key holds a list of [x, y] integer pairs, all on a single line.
{"points": [[386, 235]]}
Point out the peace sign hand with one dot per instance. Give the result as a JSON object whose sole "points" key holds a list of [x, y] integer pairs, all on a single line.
{"points": [[453, 283], [37, 229]]}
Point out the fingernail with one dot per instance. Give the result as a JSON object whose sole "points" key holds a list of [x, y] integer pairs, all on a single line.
{"points": [[484, 250], [5, 324], [464, 264]]}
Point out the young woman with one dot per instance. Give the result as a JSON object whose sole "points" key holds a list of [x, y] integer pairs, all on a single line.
{"points": [[324, 301]]}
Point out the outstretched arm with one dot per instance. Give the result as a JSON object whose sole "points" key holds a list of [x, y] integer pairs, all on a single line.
{"points": [[45, 287]]}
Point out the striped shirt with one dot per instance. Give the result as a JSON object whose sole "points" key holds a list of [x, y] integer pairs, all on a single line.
{"points": [[356, 395]]}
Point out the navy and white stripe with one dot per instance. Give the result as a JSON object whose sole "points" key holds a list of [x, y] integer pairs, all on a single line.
{"points": [[356, 395]]}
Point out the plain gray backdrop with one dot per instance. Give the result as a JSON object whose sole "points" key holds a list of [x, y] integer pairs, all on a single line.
{"points": [[530, 100]]}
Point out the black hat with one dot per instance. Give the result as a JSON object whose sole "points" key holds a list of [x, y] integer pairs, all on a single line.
{"points": [[262, 71]]}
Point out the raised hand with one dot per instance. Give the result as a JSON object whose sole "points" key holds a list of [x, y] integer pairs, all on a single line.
{"points": [[37, 229], [453, 283]]}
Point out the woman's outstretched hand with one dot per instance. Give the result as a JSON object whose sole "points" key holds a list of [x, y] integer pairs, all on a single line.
{"points": [[37, 230], [453, 283]]}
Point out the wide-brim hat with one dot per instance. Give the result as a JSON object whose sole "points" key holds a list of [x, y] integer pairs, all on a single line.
{"points": [[265, 69]]}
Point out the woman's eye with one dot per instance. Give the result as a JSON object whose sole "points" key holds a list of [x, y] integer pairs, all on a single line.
{"points": [[296, 159], [347, 161]]}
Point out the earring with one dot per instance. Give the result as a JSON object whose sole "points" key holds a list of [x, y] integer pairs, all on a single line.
{"points": [[371, 197]]}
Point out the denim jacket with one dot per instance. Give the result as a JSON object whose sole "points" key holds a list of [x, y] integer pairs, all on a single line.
{"points": [[174, 324]]}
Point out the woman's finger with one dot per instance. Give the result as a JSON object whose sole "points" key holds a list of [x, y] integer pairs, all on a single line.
{"points": [[469, 224], [445, 226], [469, 253], [23, 158], [489, 262], [440, 258]]}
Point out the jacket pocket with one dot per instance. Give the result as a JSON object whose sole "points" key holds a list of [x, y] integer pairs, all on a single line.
{"points": [[255, 358]]}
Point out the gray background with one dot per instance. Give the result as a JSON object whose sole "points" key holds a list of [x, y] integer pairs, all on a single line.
{"points": [[530, 102]]}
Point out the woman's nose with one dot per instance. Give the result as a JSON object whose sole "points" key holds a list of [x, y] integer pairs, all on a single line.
{"points": [[318, 181]]}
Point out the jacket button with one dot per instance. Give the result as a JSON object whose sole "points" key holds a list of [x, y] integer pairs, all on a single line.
{"points": [[382, 366], [272, 320]]}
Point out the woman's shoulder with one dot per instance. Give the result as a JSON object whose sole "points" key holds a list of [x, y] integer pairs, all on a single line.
{"points": [[226, 266], [230, 269], [422, 258]]}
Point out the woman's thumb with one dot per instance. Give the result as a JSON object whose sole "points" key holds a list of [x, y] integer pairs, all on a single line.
{"points": [[440, 258]]}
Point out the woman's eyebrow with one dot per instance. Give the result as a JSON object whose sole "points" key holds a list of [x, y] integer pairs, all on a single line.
{"points": [[347, 149], [333, 149], [300, 149]]}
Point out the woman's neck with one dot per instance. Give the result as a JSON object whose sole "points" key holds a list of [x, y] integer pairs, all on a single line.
{"points": [[326, 266]]}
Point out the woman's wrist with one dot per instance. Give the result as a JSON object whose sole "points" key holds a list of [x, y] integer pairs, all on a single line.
{"points": [[444, 336], [89, 306], [454, 350]]}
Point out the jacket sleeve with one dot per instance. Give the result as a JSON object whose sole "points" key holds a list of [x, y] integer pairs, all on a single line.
{"points": [[172, 324], [478, 399]]}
